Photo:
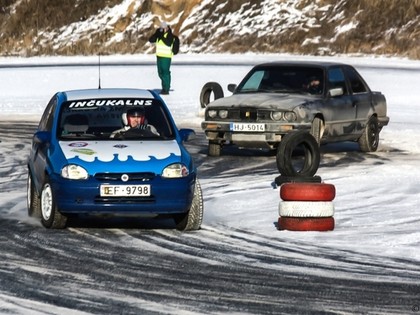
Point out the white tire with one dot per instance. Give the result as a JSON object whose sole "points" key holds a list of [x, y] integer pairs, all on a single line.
{"points": [[306, 209]]}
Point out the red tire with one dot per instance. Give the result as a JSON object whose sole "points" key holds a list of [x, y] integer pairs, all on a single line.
{"points": [[307, 192], [306, 224]]}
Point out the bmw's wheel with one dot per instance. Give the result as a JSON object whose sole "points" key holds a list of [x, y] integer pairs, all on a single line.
{"points": [[33, 201], [192, 220], [215, 148], [298, 154], [369, 140], [317, 129], [207, 90], [50, 216]]}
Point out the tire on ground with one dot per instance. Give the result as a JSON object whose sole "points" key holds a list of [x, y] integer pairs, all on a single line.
{"points": [[369, 140], [33, 201], [317, 129], [280, 180], [287, 154], [50, 215], [306, 209], [306, 224], [207, 90], [214, 149], [307, 192], [192, 220]]}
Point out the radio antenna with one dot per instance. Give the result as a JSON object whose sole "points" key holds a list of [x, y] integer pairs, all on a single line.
{"points": [[99, 61]]}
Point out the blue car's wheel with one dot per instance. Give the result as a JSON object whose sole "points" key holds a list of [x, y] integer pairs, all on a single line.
{"points": [[192, 220], [50, 216], [33, 201]]}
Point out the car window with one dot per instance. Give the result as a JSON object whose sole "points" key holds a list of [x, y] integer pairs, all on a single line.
{"points": [[254, 81], [99, 118], [46, 121], [283, 79], [357, 84], [336, 79]]}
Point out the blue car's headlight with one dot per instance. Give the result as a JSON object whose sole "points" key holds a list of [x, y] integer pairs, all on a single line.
{"points": [[73, 171], [175, 171]]}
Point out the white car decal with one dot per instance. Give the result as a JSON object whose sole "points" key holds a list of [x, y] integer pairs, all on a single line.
{"points": [[107, 151]]}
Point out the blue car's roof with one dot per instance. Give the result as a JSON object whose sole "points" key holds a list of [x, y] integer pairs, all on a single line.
{"points": [[107, 93]]}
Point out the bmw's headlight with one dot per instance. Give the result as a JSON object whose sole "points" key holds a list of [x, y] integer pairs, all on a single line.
{"points": [[276, 115], [73, 171], [290, 116], [212, 113], [175, 171], [223, 113]]}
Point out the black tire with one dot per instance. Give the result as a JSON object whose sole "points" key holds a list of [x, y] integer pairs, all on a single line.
{"points": [[291, 162], [50, 216], [33, 200], [280, 180], [215, 149], [207, 90], [369, 140], [317, 129], [192, 220]]}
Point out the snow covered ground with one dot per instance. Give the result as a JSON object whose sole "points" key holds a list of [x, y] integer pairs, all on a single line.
{"points": [[377, 205]]}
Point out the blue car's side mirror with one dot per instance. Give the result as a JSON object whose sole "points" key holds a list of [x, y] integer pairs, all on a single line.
{"points": [[42, 136], [187, 134]]}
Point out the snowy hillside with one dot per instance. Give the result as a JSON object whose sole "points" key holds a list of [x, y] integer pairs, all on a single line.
{"points": [[320, 27]]}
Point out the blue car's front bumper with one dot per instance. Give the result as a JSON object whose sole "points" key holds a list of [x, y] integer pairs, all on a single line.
{"points": [[168, 196]]}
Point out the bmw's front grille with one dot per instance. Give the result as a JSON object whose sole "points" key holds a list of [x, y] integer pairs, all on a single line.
{"points": [[249, 114]]}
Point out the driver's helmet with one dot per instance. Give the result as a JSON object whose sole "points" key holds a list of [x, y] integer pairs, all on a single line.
{"points": [[134, 112]]}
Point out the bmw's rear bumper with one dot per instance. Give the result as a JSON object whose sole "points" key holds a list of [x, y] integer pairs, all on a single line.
{"points": [[168, 196]]}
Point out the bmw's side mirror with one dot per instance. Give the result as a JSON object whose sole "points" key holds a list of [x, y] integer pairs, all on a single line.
{"points": [[231, 87], [42, 136], [336, 92], [187, 134]]}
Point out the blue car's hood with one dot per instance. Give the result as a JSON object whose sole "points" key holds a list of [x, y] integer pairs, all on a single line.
{"points": [[262, 100], [121, 156]]}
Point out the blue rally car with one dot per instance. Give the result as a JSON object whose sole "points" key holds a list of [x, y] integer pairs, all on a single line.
{"points": [[111, 152]]}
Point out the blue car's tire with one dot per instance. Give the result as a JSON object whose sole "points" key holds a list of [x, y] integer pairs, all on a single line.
{"points": [[50, 216], [207, 90], [192, 220], [33, 200], [291, 162]]}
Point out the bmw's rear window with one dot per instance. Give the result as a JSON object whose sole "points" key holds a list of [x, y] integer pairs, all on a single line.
{"points": [[99, 118]]}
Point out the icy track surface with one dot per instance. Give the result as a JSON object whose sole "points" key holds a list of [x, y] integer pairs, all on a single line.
{"points": [[239, 263]]}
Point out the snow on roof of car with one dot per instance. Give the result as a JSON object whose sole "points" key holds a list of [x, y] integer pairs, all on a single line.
{"points": [[108, 93]]}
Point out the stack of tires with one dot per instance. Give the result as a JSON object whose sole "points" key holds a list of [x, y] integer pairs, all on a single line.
{"points": [[306, 207], [306, 202]]}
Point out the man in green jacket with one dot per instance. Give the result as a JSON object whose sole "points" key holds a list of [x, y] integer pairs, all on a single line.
{"points": [[167, 45]]}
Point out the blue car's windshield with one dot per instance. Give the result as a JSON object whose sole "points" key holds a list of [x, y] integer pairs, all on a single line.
{"points": [[104, 119], [283, 79]]}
